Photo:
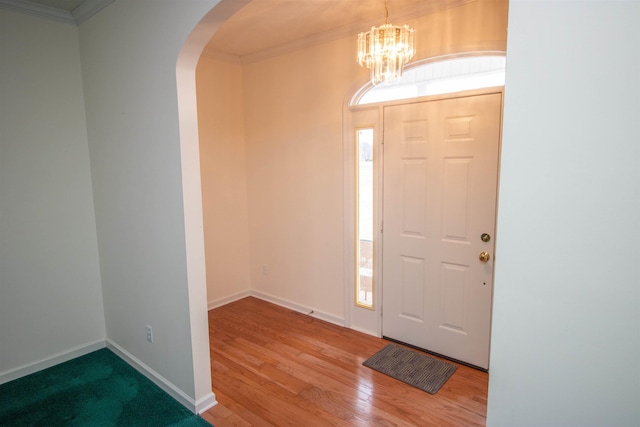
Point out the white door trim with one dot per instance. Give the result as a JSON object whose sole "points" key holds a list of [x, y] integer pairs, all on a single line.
{"points": [[358, 318]]}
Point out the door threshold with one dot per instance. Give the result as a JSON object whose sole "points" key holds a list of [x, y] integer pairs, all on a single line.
{"points": [[433, 353]]}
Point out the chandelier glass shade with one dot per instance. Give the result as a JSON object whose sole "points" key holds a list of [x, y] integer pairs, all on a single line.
{"points": [[385, 50]]}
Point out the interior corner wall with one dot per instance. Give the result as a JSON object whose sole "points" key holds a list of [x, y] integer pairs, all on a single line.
{"points": [[224, 178], [50, 293], [293, 107], [565, 348], [129, 54]]}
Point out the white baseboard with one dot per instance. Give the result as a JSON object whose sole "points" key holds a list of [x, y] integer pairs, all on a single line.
{"points": [[365, 331], [299, 308], [48, 362], [205, 403], [171, 389], [226, 300], [278, 301]]}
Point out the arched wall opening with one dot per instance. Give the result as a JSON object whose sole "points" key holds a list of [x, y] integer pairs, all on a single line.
{"points": [[293, 147], [192, 196]]}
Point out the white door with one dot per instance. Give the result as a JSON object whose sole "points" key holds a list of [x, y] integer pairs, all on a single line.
{"points": [[440, 185]]}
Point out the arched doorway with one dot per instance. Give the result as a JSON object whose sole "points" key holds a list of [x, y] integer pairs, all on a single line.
{"points": [[192, 197]]}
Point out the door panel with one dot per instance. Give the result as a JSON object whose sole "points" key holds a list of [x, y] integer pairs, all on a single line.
{"points": [[411, 284], [414, 188], [439, 186]]}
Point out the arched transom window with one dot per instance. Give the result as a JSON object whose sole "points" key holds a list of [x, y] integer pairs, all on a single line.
{"points": [[440, 77]]}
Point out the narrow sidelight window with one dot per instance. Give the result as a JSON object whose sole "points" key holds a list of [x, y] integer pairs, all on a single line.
{"points": [[364, 216]]}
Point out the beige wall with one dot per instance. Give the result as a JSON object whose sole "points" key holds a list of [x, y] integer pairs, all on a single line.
{"points": [[477, 25], [224, 178], [293, 127], [293, 106]]}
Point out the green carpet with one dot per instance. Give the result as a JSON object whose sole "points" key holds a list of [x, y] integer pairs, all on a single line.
{"points": [[98, 389]]}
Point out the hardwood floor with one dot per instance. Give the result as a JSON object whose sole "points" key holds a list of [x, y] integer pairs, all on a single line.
{"points": [[274, 366]]}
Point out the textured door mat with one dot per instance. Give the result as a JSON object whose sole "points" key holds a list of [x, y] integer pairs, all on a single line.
{"points": [[416, 369]]}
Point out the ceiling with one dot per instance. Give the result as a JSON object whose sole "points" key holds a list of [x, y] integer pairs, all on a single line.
{"points": [[266, 27]]}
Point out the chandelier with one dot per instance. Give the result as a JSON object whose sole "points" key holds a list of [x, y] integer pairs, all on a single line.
{"points": [[385, 49]]}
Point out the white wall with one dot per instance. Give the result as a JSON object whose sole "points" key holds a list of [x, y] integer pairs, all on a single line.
{"points": [[224, 179], [566, 330], [50, 297], [129, 55]]}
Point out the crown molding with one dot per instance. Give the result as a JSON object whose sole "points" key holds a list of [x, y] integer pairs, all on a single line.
{"points": [[87, 9], [219, 56], [39, 10]]}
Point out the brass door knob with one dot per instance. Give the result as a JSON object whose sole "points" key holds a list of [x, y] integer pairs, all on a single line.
{"points": [[484, 256]]}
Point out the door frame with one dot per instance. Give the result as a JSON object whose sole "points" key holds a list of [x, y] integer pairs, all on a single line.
{"points": [[366, 320]]}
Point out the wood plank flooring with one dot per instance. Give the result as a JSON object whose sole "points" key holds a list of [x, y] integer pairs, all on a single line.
{"points": [[274, 366]]}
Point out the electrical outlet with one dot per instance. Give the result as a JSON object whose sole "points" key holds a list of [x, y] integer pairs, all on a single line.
{"points": [[149, 333], [265, 270]]}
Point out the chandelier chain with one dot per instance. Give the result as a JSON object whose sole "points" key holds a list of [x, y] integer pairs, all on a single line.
{"points": [[386, 12]]}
